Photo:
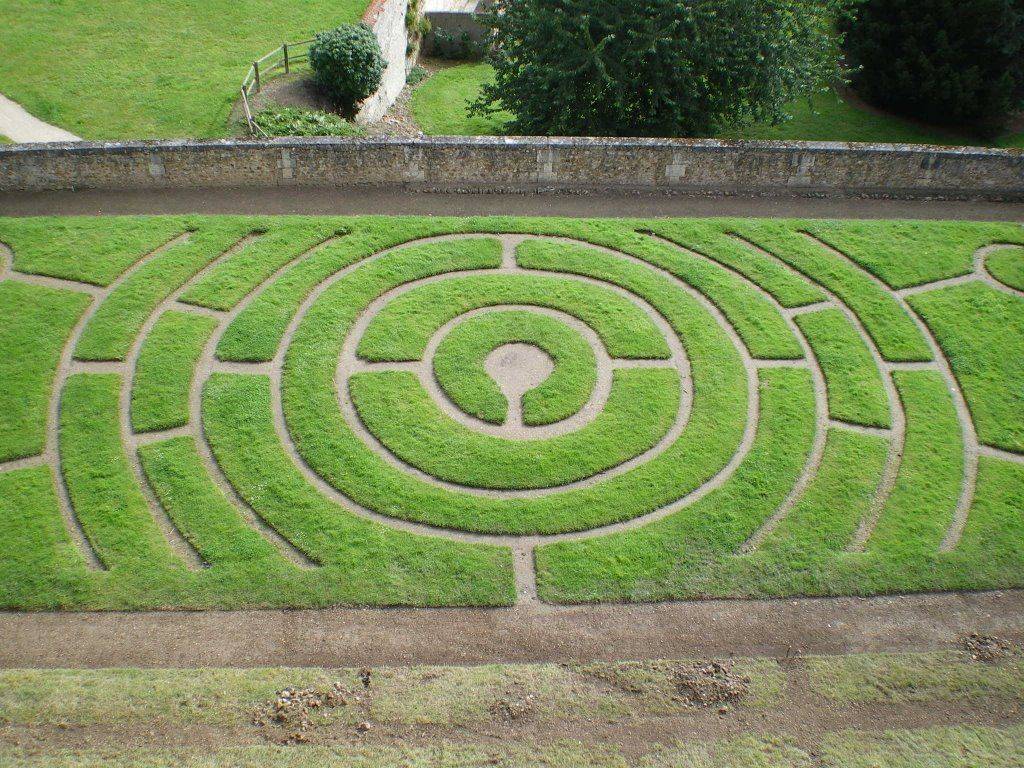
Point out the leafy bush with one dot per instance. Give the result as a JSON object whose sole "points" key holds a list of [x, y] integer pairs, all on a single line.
{"points": [[416, 75], [656, 67], [955, 62], [455, 47], [347, 64], [289, 121]]}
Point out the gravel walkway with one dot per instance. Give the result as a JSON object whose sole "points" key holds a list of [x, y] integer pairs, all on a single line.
{"points": [[19, 126]]}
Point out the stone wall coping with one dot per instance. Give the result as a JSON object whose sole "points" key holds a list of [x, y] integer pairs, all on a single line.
{"points": [[484, 142]]}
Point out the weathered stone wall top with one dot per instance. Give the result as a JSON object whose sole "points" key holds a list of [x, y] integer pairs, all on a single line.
{"points": [[704, 166]]}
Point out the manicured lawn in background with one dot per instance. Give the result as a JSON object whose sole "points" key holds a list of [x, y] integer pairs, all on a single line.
{"points": [[439, 103], [439, 106], [124, 69]]}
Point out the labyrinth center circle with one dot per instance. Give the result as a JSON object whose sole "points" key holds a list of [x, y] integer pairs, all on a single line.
{"points": [[518, 368], [364, 343], [521, 368]]}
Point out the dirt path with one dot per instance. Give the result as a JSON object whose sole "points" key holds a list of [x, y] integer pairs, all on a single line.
{"points": [[531, 632], [329, 201], [18, 125]]}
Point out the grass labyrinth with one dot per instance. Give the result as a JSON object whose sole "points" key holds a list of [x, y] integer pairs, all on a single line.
{"points": [[204, 412]]}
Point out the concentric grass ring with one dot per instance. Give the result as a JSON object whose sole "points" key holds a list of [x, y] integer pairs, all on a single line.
{"points": [[340, 448]]}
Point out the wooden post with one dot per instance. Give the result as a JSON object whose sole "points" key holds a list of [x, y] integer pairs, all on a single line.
{"points": [[256, 71], [284, 47]]}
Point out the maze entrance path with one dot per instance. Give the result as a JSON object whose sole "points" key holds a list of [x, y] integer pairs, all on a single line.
{"points": [[285, 411]]}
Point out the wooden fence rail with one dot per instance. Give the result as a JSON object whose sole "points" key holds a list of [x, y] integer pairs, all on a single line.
{"points": [[282, 57]]}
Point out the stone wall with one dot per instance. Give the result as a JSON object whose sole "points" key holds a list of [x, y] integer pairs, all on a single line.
{"points": [[454, 25], [387, 19], [510, 164]]}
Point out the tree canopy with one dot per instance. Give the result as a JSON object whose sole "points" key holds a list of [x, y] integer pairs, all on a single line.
{"points": [[958, 62], [656, 67]]}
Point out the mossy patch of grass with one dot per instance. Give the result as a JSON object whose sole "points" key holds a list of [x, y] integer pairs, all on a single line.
{"points": [[907, 677]]}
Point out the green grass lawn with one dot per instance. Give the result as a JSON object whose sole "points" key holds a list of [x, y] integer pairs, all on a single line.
{"points": [[245, 391], [129, 70], [439, 106], [135, 718]]}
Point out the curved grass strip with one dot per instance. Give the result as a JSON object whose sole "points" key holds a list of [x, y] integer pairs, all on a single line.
{"points": [[981, 332], [459, 366], [922, 503], [856, 392], [893, 331], [404, 326], [285, 240], [256, 333], [824, 520], [756, 320], [110, 332], [995, 525], [379, 564], [398, 410], [40, 567], [788, 287], [107, 501], [674, 557], [35, 323], [1007, 266], [89, 249], [164, 371], [908, 253], [328, 444], [201, 511]]}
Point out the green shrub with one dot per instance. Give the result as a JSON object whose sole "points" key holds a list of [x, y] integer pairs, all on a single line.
{"points": [[655, 67], [958, 62], [416, 75], [455, 47], [289, 121], [347, 64]]}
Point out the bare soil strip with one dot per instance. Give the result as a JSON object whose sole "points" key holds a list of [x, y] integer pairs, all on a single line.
{"points": [[525, 633]]}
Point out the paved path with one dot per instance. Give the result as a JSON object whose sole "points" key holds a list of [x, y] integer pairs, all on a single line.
{"points": [[317, 201], [19, 126], [525, 633]]}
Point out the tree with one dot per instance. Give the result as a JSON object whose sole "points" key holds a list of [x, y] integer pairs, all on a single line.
{"points": [[958, 62], [347, 64], [656, 67]]}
